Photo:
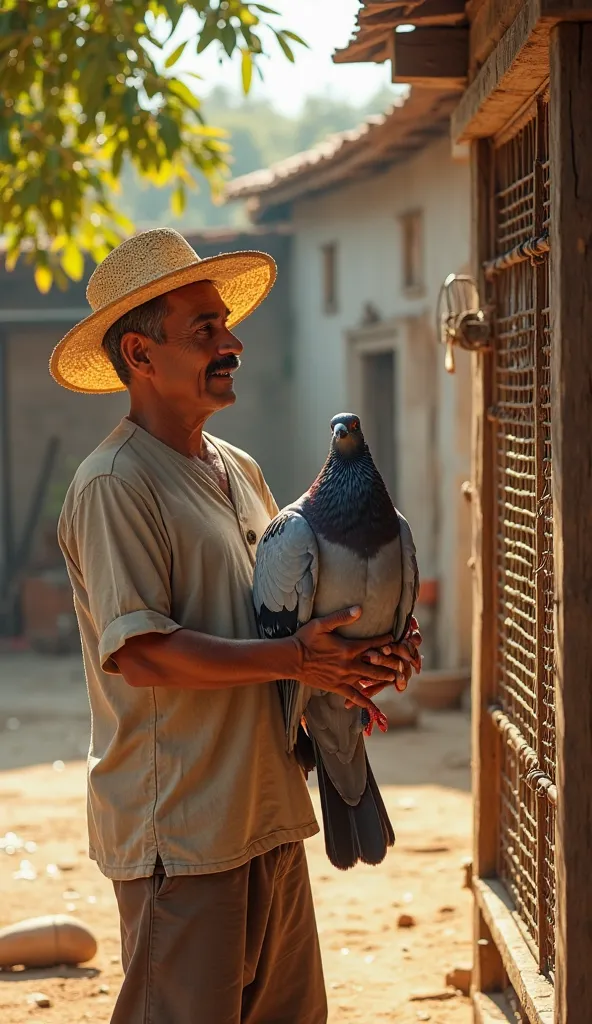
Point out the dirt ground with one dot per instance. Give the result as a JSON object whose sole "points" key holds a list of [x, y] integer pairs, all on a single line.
{"points": [[375, 970]]}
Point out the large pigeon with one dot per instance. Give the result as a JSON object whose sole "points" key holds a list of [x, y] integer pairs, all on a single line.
{"points": [[341, 544]]}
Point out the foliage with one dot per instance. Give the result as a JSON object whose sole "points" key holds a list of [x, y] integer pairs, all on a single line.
{"points": [[87, 86]]}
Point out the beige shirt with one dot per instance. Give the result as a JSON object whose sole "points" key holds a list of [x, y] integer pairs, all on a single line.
{"points": [[200, 776]]}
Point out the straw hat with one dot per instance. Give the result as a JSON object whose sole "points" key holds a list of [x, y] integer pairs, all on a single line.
{"points": [[142, 267]]}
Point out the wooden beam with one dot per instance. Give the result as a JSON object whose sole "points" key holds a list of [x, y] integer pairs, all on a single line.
{"points": [[375, 51], [534, 991], [431, 56], [431, 12], [571, 409], [514, 69], [488, 24], [567, 10], [510, 75], [487, 965]]}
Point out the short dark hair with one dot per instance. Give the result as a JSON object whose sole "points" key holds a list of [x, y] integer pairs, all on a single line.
{"points": [[146, 319]]}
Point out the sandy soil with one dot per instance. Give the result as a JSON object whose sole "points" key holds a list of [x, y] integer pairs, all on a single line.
{"points": [[375, 970]]}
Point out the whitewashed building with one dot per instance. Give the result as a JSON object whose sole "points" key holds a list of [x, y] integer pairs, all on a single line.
{"points": [[379, 217]]}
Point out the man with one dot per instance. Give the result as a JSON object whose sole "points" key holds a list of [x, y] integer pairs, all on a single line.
{"points": [[196, 811]]}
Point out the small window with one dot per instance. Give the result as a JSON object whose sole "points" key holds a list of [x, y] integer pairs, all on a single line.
{"points": [[412, 254], [329, 256]]}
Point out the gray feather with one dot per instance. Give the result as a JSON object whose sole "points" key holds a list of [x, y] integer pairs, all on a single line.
{"points": [[284, 582], [410, 581]]}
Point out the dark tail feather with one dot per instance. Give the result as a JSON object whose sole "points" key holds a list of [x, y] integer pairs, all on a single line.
{"points": [[356, 833], [389, 832]]}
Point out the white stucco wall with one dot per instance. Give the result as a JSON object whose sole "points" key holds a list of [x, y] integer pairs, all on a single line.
{"points": [[363, 219]]}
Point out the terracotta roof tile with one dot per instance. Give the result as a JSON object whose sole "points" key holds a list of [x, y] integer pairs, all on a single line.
{"points": [[382, 140]]}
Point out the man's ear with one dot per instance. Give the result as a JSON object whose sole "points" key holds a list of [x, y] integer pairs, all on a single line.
{"points": [[135, 351]]}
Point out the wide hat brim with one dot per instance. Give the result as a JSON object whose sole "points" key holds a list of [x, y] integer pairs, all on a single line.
{"points": [[78, 361]]}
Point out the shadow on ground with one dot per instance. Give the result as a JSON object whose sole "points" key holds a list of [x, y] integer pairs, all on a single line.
{"points": [[43, 973]]}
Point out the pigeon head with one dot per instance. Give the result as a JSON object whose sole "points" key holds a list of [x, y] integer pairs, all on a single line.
{"points": [[348, 439], [348, 503]]}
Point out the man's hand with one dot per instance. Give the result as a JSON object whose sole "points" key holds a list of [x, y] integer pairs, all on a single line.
{"points": [[402, 658], [332, 662]]}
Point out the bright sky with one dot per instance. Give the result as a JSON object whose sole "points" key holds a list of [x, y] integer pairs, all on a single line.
{"points": [[325, 25]]}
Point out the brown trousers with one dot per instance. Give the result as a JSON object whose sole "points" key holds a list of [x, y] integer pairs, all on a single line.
{"points": [[236, 947]]}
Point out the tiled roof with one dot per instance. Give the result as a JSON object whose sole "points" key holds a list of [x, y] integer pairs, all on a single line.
{"points": [[377, 19], [379, 142]]}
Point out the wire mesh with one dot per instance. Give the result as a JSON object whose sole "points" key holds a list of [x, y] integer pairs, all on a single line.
{"points": [[524, 534], [518, 842], [515, 173], [516, 499], [546, 713]]}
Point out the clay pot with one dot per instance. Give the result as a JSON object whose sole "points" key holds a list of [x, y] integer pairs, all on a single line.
{"points": [[441, 689], [46, 942]]}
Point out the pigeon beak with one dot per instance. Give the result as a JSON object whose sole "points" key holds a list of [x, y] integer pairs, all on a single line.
{"points": [[340, 430]]}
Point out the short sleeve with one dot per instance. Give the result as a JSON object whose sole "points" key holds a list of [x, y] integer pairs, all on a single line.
{"points": [[124, 560]]}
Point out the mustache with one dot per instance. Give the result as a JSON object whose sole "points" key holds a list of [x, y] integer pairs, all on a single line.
{"points": [[224, 365]]}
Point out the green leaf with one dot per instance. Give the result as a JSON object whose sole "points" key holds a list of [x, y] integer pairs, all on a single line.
{"points": [[264, 10], [117, 160], [174, 57], [72, 261], [252, 41], [178, 200], [174, 10], [295, 38], [247, 70], [287, 50], [183, 92], [209, 32], [43, 279], [169, 133], [228, 38]]}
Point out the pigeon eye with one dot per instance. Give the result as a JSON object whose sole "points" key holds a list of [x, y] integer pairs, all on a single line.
{"points": [[355, 425]]}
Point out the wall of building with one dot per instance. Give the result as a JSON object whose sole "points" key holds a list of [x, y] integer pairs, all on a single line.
{"points": [[363, 220], [40, 409]]}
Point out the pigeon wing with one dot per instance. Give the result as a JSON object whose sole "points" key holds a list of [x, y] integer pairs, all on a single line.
{"points": [[284, 587], [410, 581]]}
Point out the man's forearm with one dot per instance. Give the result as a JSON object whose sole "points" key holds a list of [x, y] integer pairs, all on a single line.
{"points": [[196, 661]]}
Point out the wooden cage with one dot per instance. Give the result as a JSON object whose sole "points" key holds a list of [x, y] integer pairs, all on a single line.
{"points": [[532, 717]]}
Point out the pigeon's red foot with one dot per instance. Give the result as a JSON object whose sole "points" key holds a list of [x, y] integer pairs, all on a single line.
{"points": [[376, 718]]}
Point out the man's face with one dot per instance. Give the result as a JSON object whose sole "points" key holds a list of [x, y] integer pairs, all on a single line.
{"points": [[191, 371]]}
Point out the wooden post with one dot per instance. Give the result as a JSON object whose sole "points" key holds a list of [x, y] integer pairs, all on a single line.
{"points": [[487, 964], [571, 376]]}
